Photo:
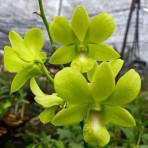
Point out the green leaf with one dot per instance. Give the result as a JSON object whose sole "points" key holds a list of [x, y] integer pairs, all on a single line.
{"points": [[102, 52], [35, 88], [19, 47], [126, 90], [116, 66], [71, 86], [21, 78], [143, 146], [63, 55], [103, 82], [80, 22], [11, 61], [94, 130], [101, 28], [47, 115], [71, 115], [59, 144], [118, 116], [61, 31], [82, 63], [34, 40], [91, 72]]}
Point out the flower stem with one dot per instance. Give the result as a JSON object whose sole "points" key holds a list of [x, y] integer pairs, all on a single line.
{"points": [[81, 125], [45, 71], [42, 15], [140, 136]]}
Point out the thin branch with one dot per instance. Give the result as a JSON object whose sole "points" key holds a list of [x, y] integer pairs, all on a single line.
{"points": [[42, 15]]}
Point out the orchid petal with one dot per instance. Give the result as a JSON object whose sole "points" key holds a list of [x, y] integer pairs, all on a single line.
{"points": [[71, 86], [103, 82], [47, 115], [101, 28], [118, 116], [63, 55], [61, 31], [11, 61], [102, 52], [71, 115], [34, 40], [35, 88], [116, 66], [91, 72], [42, 56], [126, 90], [48, 100], [22, 76], [19, 47], [44, 99], [80, 22]]}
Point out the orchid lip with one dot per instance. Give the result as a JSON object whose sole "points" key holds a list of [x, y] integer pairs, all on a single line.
{"points": [[95, 120]]}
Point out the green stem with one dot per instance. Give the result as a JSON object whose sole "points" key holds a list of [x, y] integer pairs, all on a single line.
{"points": [[45, 71], [140, 136], [42, 14], [81, 125]]}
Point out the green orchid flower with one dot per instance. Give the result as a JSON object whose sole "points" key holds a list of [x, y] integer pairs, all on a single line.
{"points": [[24, 56], [99, 102], [82, 39], [49, 102]]}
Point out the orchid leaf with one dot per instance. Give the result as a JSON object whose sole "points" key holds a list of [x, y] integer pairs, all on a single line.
{"points": [[82, 63], [21, 78], [116, 66], [71, 86], [103, 82], [47, 115], [94, 131], [11, 61], [118, 116], [19, 47], [80, 22], [101, 28], [71, 115], [63, 55], [91, 72], [102, 52], [34, 40], [126, 90], [61, 31]]}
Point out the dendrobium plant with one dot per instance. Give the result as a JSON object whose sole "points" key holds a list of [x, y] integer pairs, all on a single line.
{"points": [[95, 98], [82, 39]]}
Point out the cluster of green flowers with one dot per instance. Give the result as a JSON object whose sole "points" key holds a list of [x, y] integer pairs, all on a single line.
{"points": [[97, 100]]}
